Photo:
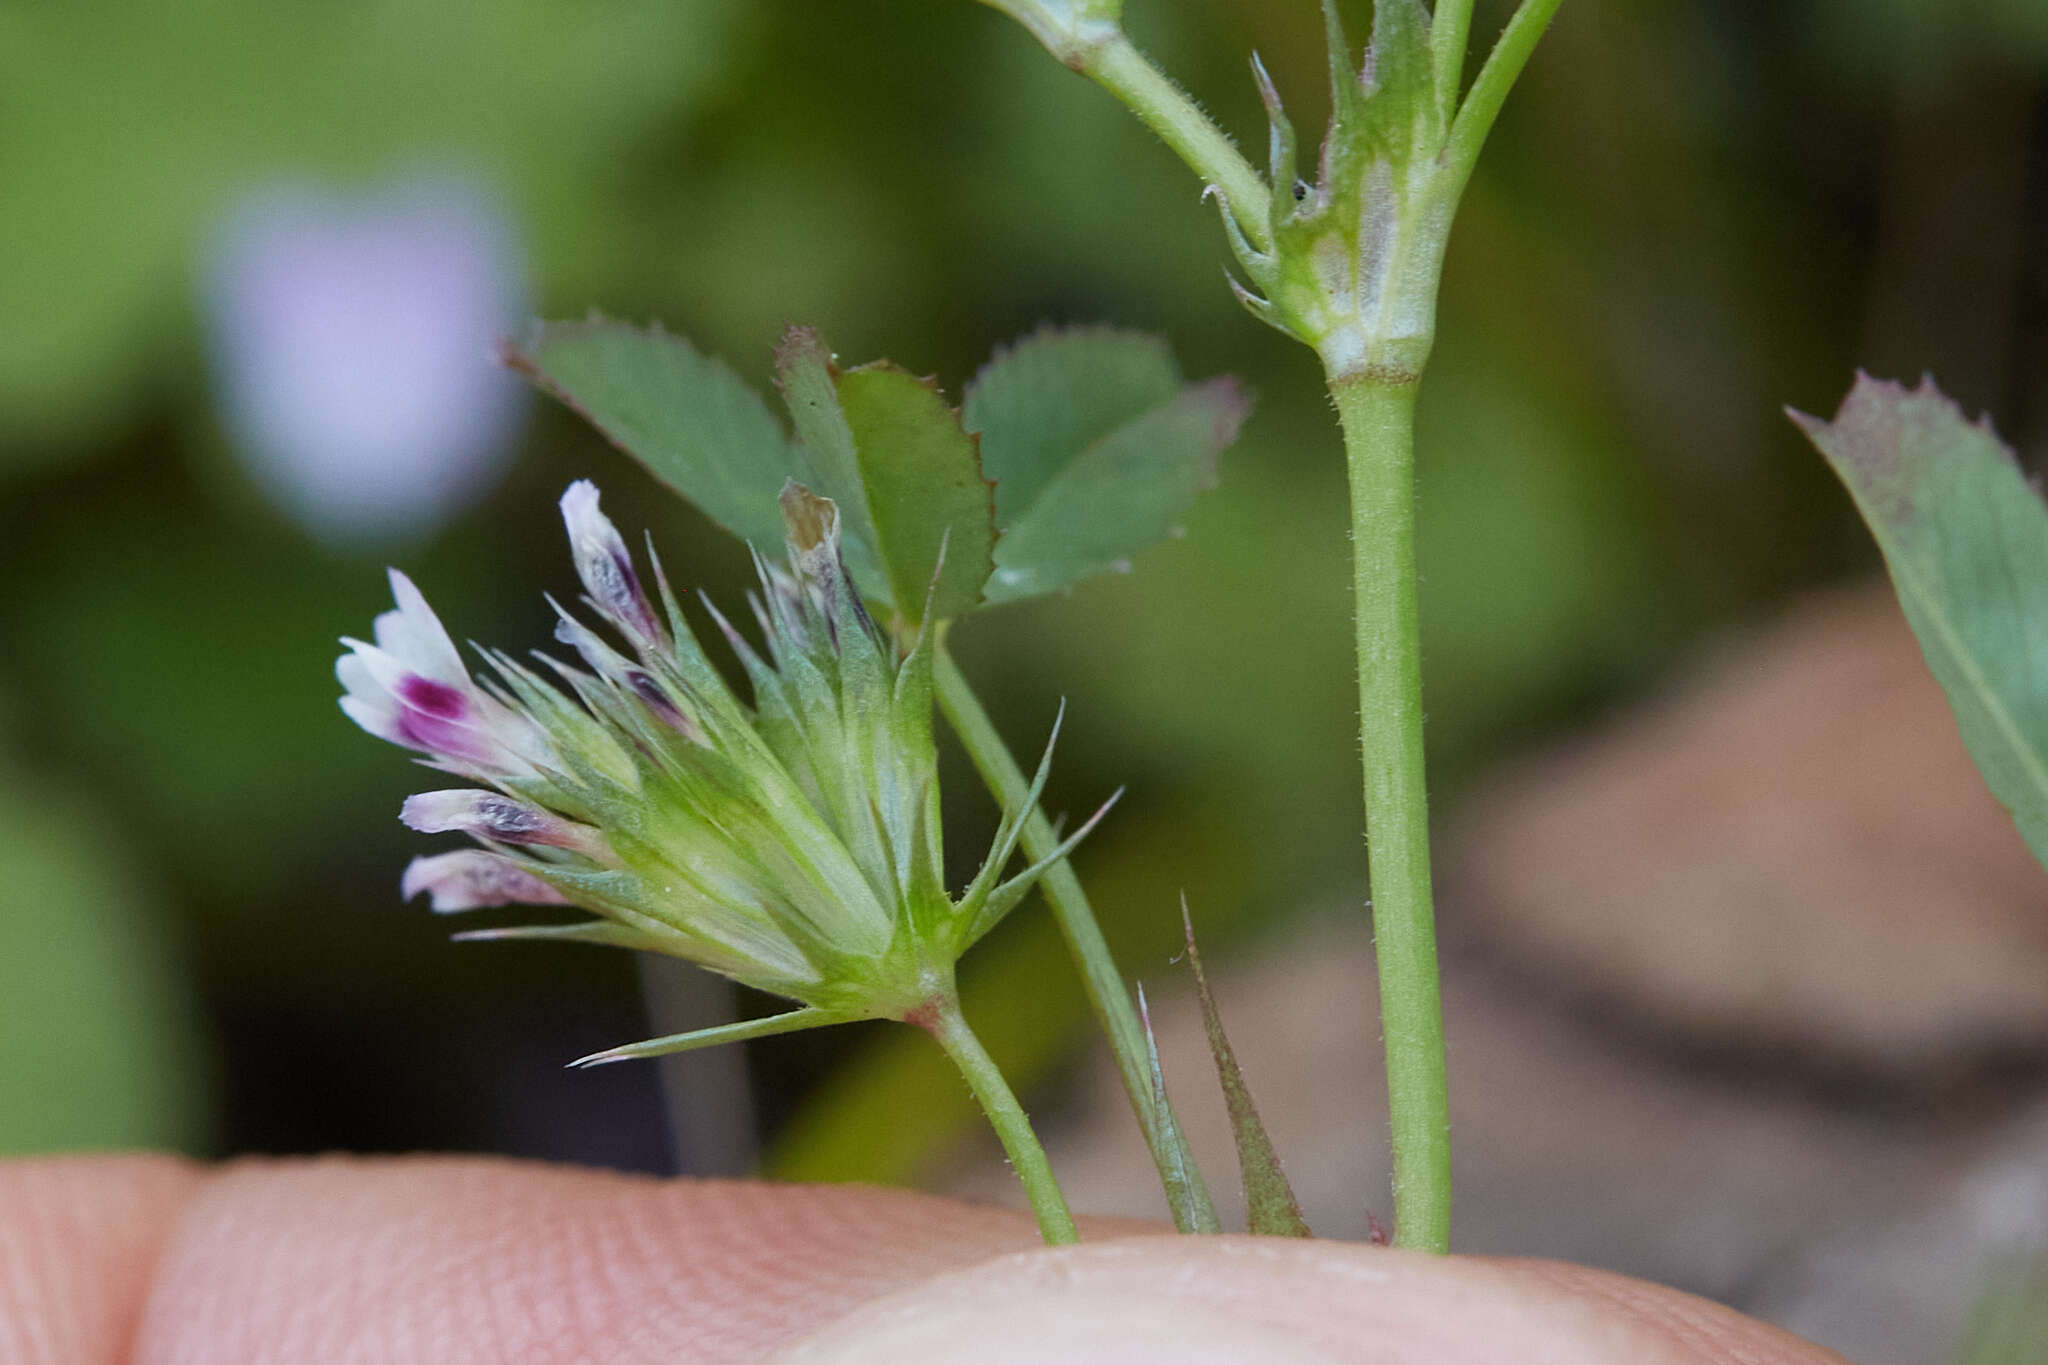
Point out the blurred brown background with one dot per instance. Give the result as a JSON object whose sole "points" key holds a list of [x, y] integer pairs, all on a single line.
{"points": [[1711, 862]]}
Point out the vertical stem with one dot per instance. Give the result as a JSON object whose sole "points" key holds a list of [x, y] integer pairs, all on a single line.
{"points": [[1490, 87], [947, 1024], [1379, 435], [1449, 23], [1107, 993]]}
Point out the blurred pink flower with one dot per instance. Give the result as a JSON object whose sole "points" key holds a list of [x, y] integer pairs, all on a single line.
{"points": [[351, 344]]}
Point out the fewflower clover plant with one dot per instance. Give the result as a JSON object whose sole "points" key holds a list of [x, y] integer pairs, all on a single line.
{"points": [[792, 841], [792, 844]]}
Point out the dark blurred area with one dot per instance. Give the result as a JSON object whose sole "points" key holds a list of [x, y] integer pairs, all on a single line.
{"points": [[253, 257]]}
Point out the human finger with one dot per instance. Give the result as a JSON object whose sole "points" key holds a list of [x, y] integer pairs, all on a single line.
{"points": [[79, 1240], [1190, 1301]]}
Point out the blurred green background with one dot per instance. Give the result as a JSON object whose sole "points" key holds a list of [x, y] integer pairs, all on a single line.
{"points": [[1693, 212]]}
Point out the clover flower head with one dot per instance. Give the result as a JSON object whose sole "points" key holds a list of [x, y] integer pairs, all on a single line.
{"points": [[790, 840]]}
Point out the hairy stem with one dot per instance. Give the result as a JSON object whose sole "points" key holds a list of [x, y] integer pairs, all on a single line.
{"points": [[1107, 994], [1167, 110], [947, 1024], [1379, 434], [1490, 87], [1450, 22]]}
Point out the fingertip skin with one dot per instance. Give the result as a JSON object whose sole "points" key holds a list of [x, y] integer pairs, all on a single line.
{"points": [[1190, 1301], [146, 1260], [80, 1237], [454, 1260]]}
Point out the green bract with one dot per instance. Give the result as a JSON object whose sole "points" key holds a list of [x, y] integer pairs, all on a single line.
{"points": [[1355, 257], [792, 844]]}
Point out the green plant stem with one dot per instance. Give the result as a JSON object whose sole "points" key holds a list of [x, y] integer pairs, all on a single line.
{"points": [[1379, 435], [1166, 109], [947, 1024], [1450, 23], [1107, 994], [1490, 87]]}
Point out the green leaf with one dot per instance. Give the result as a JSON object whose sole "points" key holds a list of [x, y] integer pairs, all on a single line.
{"points": [[688, 418], [1097, 449], [1124, 492], [1053, 395], [1966, 540], [1270, 1206], [810, 389], [809, 381], [925, 491], [1096, 444]]}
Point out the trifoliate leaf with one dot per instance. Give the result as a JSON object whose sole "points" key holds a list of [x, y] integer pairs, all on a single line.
{"points": [[1966, 540], [694, 423], [1096, 448], [1096, 445], [1270, 1206]]}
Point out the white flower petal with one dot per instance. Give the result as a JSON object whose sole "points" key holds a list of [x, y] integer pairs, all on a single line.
{"points": [[379, 719], [415, 635]]}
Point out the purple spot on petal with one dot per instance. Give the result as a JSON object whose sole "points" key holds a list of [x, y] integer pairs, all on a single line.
{"points": [[509, 820], [434, 698]]}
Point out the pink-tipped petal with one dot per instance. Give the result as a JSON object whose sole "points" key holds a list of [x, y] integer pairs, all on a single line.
{"points": [[449, 718], [470, 879]]}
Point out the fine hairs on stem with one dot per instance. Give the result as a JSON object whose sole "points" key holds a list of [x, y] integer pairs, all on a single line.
{"points": [[1107, 995], [948, 1025], [1400, 149]]}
